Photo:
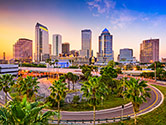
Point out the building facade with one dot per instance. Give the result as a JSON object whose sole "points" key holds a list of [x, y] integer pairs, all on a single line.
{"points": [[41, 42], [163, 60], [9, 69], [105, 53], [50, 49], [57, 44], [126, 55], [65, 48], [86, 43], [149, 51], [22, 50]]}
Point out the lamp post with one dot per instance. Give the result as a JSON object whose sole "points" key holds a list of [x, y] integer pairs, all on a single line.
{"points": [[122, 111], [155, 66], [123, 95]]}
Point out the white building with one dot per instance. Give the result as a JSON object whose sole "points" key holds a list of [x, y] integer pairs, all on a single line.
{"points": [[41, 42], [9, 69], [57, 44]]}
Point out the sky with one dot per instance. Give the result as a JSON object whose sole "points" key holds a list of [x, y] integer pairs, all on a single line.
{"points": [[129, 21]]}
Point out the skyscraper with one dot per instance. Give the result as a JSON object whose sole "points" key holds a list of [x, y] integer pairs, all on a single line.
{"points": [[50, 49], [41, 43], [65, 48], [86, 38], [22, 50], [57, 44], [149, 51], [105, 47], [126, 54]]}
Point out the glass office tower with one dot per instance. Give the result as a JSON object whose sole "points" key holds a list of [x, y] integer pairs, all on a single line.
{"points": [[105, 46], [41, 43]]}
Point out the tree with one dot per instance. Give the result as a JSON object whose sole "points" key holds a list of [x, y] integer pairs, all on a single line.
{"points": [[129, 67], [136, 91], [86, 70], [118, 70], [63, 78], [6, 82], [74, 79], [94, 90], [138, 67], [69, 77], [111, 63], [107, 75], [158, 65], [24, 113], [18, 88], [58, 92], [56, 61], [27, 86]]}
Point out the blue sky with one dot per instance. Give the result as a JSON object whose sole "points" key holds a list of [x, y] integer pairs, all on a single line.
{"points": [[129, 21]]}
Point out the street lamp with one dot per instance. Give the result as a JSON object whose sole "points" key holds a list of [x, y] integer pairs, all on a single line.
{"points": [[122, 111], [155, 66]]}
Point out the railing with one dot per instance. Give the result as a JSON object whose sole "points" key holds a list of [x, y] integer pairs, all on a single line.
{"points": [[89, 121]]}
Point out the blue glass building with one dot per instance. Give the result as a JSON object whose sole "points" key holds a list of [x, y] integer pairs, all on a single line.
{"points": [[105, 46]]}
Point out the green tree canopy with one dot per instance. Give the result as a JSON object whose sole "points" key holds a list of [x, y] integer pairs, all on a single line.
{"points": [[24, 113], [136, 91], [6, 83]]}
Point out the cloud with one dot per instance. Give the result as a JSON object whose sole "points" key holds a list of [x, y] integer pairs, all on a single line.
{"points": [[120, 19], [102, 6]]}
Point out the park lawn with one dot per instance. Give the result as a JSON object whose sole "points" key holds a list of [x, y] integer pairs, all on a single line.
{"points": [[156, 117], [113, 101]]}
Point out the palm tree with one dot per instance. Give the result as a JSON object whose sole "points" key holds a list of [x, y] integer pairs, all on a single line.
{"points": [[29, 86], [24, 113], [63, 78], [74, 79], [93, 90], [6, 82], [18, 88], [58, 91], [69, 77], [56, 61], [136, 91]]}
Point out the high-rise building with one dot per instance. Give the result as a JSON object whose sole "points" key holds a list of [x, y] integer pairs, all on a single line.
{"points": [[22, 50], [57, 44], [86, 38], [149, 51], [50, 49], [105, 47], [126, 54], [41, 43], [65, 48]]}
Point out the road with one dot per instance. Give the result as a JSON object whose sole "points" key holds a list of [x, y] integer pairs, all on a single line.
{"points": [[155, 100]]}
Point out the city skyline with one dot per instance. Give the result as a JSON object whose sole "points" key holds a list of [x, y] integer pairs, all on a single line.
{"points": [[136, 21]]}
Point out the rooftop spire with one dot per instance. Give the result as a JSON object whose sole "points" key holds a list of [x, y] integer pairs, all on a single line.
{"points": [[105, 30]]}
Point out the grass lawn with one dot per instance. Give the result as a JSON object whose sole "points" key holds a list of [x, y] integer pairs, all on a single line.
{"points": [[113, 101], [156, 117]]}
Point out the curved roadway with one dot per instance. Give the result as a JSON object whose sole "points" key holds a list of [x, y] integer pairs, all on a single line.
{"points": [[153, 102]]}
